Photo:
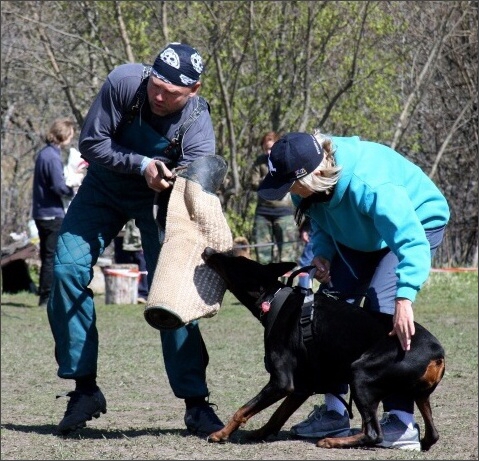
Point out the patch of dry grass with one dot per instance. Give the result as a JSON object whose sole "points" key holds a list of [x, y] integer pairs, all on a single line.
{"points": [[145, 420]]}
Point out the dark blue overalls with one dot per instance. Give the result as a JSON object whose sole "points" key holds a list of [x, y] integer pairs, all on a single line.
{"points": [[105, 201]]}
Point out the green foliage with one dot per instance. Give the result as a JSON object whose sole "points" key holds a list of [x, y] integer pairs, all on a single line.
{"points": [[345, 67], [241, 224]]}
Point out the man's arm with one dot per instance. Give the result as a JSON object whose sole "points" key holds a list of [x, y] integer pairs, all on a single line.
{"points": [[96, 141]]}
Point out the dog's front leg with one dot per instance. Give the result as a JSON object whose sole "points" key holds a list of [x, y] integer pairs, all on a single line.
{"points": [[290, 404], [239, 419], [270, 394]]}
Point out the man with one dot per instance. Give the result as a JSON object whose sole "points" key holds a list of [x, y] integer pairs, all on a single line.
{"points": [[132, 120], [377, 220]]}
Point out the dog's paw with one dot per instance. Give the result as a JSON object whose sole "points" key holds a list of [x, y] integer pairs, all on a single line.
{"points": [[218, 437], [327, 443]]}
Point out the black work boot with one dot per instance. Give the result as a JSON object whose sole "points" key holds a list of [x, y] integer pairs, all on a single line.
{"points": [[81, 408], [202, 420]]}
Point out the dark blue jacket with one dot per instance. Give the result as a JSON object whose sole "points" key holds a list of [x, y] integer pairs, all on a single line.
{"points": [[49, 184]]}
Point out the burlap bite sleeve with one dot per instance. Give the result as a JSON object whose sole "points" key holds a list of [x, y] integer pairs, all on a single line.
{"points": [[183, 287]]}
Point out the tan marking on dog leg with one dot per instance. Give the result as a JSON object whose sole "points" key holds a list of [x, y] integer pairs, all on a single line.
{"points": [[434, 372]]}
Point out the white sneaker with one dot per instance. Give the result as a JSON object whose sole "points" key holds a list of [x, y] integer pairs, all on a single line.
{"points": [[322, 423], [397, 435]]}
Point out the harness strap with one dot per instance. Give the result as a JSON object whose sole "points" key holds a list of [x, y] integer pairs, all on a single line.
{"points": [[306, 320], [348, 405], [175, 146], [138, 99], [297, 272], [307, 309]]}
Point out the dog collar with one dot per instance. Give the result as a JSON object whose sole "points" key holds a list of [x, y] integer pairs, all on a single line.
{"points": [[272, 306]]}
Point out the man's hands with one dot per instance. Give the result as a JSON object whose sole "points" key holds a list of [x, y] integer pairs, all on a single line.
{"points": [[158, 176]]}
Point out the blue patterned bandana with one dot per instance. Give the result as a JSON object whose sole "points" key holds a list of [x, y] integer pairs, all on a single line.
{"points": [[178, 64]]}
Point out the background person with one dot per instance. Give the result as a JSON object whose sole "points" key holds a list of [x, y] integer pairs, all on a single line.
{"points": [[128, 250], [274, 224], [120, 185], [377, 220], [49, 193]]}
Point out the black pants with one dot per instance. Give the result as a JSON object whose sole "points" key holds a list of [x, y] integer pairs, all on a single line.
{"points": [[48, 230]]}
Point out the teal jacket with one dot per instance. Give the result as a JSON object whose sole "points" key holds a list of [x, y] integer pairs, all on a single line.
{"points": [[381, 200]]}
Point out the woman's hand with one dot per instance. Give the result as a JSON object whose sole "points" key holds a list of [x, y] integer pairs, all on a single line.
{"points": [[304, 236], [403, 322], [322, 273]]}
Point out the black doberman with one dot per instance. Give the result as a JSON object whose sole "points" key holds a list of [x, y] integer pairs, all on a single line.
{"points": [[346, 344]]}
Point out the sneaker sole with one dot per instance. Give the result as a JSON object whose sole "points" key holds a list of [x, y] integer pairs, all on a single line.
{"points": [[322, 435], [411, 446], [81, 425]]}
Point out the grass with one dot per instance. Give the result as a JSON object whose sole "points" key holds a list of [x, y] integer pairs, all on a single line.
{"points": [[145, 420]]}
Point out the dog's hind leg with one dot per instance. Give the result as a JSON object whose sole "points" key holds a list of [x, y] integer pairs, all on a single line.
{"points": [[431, 436], [289, 405], [370, 434], [366, 396], [429, 381], [432, 377]]}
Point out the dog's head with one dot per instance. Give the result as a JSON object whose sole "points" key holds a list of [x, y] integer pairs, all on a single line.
{"points": [[245, 278]]}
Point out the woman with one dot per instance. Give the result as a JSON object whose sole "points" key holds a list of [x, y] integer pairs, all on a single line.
{"points": [[49, 193], [377, 220]]}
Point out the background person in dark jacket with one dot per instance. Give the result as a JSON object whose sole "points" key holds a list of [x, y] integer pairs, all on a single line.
{"points": [[274, 224], [49, 190]]}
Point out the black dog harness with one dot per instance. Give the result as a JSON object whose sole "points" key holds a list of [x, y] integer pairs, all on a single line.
{"points": [[273, 305], [307, 309]]}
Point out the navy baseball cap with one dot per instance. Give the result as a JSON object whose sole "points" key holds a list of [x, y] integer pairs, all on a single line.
{"points": [[292, 157], [178, 64]]}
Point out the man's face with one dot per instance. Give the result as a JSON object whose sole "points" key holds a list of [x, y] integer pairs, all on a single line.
{"points": [[165, 98]]}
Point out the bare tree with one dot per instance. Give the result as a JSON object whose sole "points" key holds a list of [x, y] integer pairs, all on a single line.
{"points": [[401, 73]]}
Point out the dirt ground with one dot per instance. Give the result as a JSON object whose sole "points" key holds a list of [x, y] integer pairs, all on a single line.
{"points": [[145, 420]]}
